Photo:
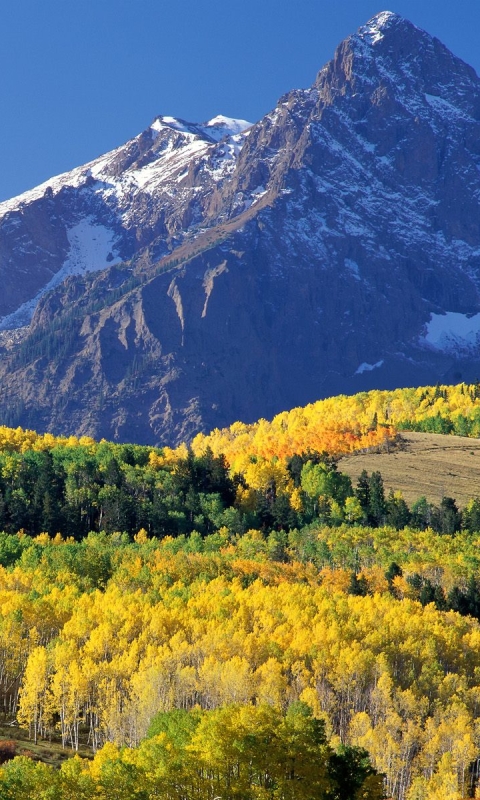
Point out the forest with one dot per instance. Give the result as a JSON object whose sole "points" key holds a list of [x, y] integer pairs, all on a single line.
{"points": [[235, 619]]}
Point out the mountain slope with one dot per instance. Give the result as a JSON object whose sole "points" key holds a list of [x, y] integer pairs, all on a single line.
{"points": [[332, 247], [109, 209]]}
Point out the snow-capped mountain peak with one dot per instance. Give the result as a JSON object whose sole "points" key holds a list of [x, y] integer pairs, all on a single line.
{"points": [[215, 271], [162, 123], [375, 28], [219, 127], [161, 175]]}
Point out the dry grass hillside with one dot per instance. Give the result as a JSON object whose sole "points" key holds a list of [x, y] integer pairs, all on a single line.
{"points": [[424, 464]]}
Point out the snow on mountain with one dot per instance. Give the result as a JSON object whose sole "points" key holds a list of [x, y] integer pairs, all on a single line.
{"points": [[374, 30], [452, 332], [197, 139], [219, 127], [364, 367], [331, 247], [118, 192], [92, 249]]}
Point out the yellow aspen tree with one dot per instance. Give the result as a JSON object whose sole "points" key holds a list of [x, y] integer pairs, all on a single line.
{"points": [[271, 683], [69, 689], [444, 783], [36, 707]]}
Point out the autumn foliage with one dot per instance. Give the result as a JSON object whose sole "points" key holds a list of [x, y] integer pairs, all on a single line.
{"points": [[240, 621]]}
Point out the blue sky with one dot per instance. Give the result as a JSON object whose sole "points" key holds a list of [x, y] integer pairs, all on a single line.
{"points": [[79, 77]]}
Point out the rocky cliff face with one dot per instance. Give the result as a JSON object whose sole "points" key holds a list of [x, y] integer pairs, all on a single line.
{"points": [[206, 273]]}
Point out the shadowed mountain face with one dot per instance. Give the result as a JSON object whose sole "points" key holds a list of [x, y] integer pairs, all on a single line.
{"points": [[206, 273]]}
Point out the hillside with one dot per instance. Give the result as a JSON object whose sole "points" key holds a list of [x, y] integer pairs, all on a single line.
{"points": [[282, 474], [216, 619], [266, 643], [424, 464], [345, 424]]}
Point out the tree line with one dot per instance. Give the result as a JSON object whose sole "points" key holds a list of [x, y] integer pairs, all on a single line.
{"points": [[77, 489]]}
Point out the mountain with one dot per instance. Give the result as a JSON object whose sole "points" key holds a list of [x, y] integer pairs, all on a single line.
{"points": [[205, 273]]}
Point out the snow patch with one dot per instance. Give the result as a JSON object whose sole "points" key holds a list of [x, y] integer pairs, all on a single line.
{"points": [[221, 126], [353, 267], [368, 367], [160, 123], [172, 166], [444, 107], [217, 128], [91, 250], [374, 29], [91, 247], [255, 196], [452, 332]]}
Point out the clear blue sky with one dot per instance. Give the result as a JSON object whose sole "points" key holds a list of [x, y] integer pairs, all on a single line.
{"points": [[79, 77]]}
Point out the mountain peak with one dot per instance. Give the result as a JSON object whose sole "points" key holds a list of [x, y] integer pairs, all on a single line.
{"points": [[221, 126], [162, 123], [374, 30], [348, 215], [215, 129]]}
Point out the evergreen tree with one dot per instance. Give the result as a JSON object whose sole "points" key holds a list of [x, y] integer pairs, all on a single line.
{"points": [[392, 572], [352, 771], [471, 516], [362, 492], [457, 601], [358, 586], [397, 512], [427, 593], [473, 598], [450, 518], [376, 506], [421, 515]]}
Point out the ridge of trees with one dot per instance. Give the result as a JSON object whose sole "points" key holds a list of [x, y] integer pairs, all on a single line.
{"points": [[342, 424], [74, 486]]}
